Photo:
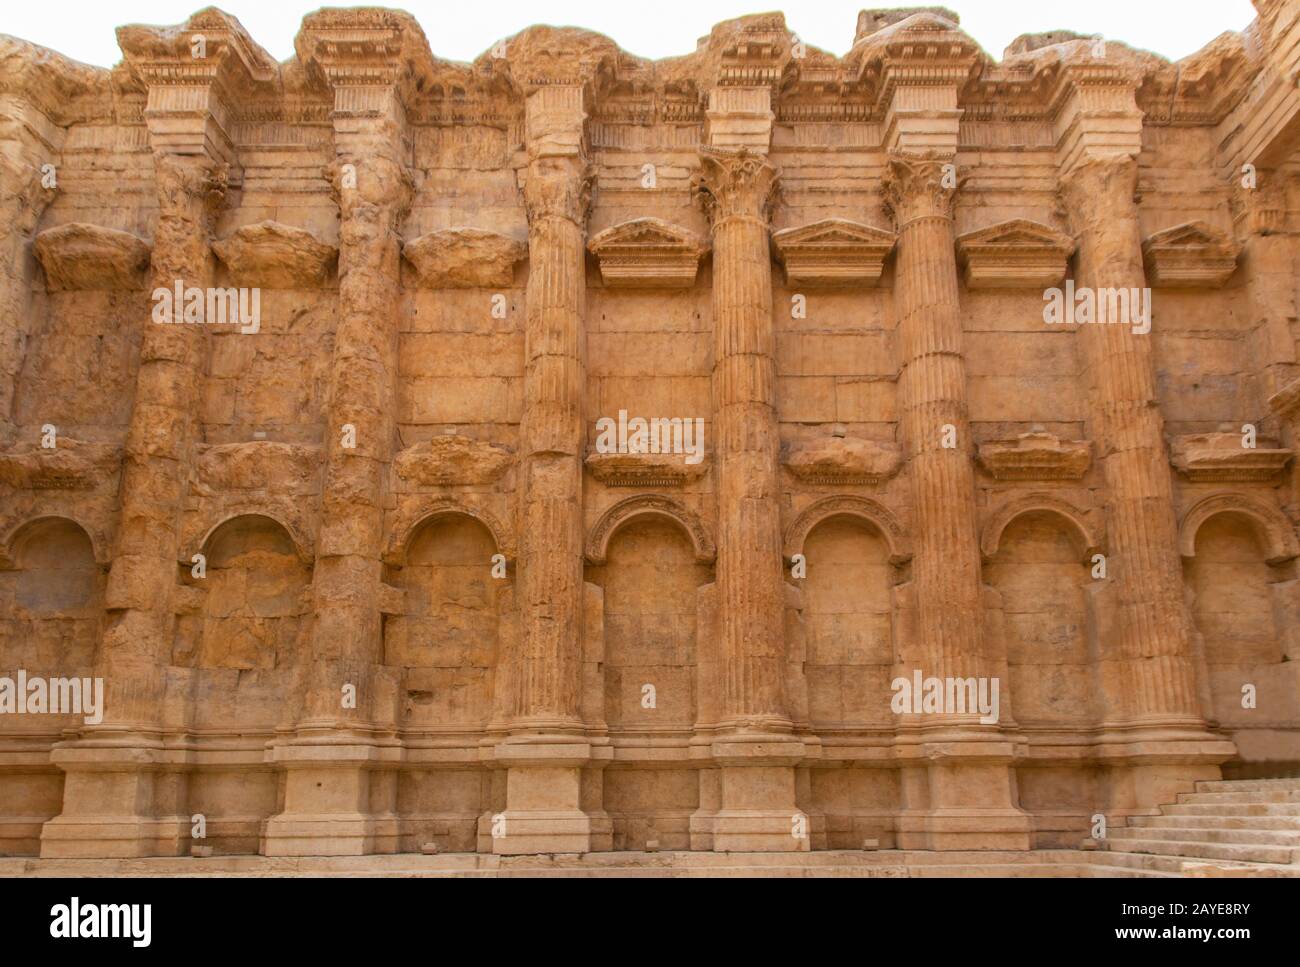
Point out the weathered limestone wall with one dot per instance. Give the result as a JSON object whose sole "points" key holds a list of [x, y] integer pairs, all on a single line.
{"points": [[360, 571]]}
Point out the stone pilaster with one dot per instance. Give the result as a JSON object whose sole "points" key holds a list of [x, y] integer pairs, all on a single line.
{"points": [[1147, 664], [331, 803], [546, 752], [754, 751], [945, 631]]}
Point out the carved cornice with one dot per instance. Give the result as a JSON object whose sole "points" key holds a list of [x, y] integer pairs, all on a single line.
{"points": [[925, 48], [275, 255], [1014, 254], [919, 184], [451, 460], [211, 47], [464, 258], [643, 469], [734, 183], [72, 465], [1036, 456], [833, 252], [365, 47], [1220, 457], [842, 461], [1191, 255], [648, 253], [81, 256]]}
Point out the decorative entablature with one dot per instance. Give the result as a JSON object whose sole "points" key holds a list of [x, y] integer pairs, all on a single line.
{"points": [[833, 252], [1037, 455], [544, 56], [749, 51], [1202, 88], [366, 47], [648, 253], [1014, 254], [1191, 255], [1222, 457], [926, 49], [211, 47]]}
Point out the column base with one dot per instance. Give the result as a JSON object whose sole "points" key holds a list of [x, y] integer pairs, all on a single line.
{"points": [[544, 798], [757, 801], [326, 804]]}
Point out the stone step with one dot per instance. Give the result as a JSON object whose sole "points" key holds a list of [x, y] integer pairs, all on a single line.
{"points": [[1246, 795], [1215, 821], [1243, 785], [1232, 852], [1250, 837], [1231, 809]]}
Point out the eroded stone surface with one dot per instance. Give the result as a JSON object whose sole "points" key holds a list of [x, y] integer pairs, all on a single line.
{"points": [[374, 565]]}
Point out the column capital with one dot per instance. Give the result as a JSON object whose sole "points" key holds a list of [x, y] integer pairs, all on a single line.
{"points": [[735, 183], [919, 185], [1258, 202], [555, 188], [1099, 187]]}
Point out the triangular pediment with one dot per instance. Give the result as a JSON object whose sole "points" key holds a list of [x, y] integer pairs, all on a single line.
{"points": [[646, 234], [1190, 255], [832, 231], [1190, 235], [1018, 233]]}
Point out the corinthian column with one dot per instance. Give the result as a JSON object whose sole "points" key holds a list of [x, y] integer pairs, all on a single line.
{"points": [[919, 190], [754, 750], [1147, 660], [959, 786], [334, 787], [738, 187], [545, 752]]}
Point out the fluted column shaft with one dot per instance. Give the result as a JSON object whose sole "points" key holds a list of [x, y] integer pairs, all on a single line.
{"points": [[1151, 620], [373, 189], [750, 583], [547, 672], [138, 636], [935, 419]]}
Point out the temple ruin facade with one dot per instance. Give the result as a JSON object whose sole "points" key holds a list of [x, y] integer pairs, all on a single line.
{"points": [[754, 450]]}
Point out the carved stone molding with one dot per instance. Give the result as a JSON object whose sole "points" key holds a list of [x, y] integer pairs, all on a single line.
{"points": [[82, 256], [643, 469], [72, 465], [849, 505], [201, 528], [1276, 529], [648, 253], [833, 252], [451, 460], [1088, 540], [464, 258], [254, 465], [734, 183], [652, 505], [1202, 457], [409, 518], [277, 256], [1036, 456], [1014, 254], [842, 461], [13, 526], [1192, 255]]}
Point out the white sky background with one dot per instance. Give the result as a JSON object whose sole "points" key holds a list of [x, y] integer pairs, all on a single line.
{"points": [[463, 29]]}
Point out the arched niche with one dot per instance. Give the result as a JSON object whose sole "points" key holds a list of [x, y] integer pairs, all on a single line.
{"points": [[1087, 541], [54, 566], [849, 505], [407, 524], [246, 605], [446, 641], [652, 505], [1275, 529], [217, 519]]}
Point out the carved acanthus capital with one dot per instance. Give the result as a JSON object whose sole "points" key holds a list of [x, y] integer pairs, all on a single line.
{"points": [[185, 182], [1258, 202], [558, 188], [1098, 188], [919, 184], [367, 181], [735, 183]]}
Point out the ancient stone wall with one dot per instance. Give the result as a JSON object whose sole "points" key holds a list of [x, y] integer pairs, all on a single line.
{"points": [[567, 451]]}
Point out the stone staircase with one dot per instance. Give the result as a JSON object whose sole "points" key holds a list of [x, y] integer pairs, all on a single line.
{"points": [[1243, 827]]}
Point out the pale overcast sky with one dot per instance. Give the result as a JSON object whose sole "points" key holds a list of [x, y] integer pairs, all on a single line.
{"points": [[83, 29]]}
